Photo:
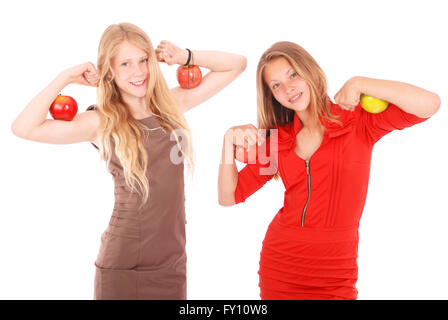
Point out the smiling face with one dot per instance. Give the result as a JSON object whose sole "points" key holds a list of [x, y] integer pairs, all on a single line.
{"points": [[130, 66], [287, 87]]}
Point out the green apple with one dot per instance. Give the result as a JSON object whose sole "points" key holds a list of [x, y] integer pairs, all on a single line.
{"points": [[373, 105]]}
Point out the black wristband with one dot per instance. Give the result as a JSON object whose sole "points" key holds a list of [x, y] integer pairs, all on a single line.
{"points": [[189, 57]]}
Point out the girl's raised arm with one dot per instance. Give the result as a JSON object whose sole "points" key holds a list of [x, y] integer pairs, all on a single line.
{"points": [[245, 136], [411, 99], [224, 68], [32, 122]]}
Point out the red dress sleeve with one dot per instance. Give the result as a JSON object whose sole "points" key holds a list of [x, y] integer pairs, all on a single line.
{"points": [[253, 176], [375, 126]]}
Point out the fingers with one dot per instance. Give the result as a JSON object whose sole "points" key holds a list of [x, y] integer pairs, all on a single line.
{"points": [[261, 137], [160, 56], [170, 53], [246, 148], [246, 136], [348, 96], [347, 107], [167, 46], [163, 52], [91, 67], [90, 75], [345, 102], [85, 74], [239, 154], [247, 140], [91, 78], [164, 56], [163, 44], [251, 135]]}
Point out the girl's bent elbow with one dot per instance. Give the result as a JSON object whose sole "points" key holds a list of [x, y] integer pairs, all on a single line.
{"points": [[243, 64], [226, 203], [437, 102], [432, 106], [17, 132]]}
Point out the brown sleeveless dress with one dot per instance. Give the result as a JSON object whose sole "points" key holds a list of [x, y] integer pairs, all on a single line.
{"points": [[142, 253]]}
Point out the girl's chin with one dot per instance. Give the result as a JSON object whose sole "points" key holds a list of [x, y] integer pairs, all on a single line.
{"points": [[141, 95], [141, 92], [297, 108], [301, 108], [136, 94]]}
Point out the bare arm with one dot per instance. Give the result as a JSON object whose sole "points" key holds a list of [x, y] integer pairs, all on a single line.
{"points": [[32, 122], [411, 99], [241, 136], [228, 174], [224, 68]]}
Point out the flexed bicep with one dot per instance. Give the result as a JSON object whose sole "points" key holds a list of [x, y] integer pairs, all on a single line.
{"points": [[82, 128], [224, 68]]}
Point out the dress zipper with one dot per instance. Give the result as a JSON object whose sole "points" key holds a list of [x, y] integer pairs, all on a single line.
{"points": [[308, 172]]}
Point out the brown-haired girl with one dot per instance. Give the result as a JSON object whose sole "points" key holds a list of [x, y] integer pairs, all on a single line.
{"points": [[322, 152]]}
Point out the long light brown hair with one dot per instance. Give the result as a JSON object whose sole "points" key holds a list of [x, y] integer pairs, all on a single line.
{"points": [[119, 131], [270, 112]]}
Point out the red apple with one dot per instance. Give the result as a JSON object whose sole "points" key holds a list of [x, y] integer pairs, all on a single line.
{"points": [[64, 108], [189, 76]]}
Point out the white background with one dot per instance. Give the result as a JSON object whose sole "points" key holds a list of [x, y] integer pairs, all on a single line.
{"points": [[57, 200]]}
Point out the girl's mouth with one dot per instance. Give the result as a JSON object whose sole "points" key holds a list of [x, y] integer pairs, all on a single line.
{"points": [[138, 83], [295, 98]]}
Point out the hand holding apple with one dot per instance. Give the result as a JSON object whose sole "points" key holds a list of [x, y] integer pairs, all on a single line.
{"points": [[248, 155], [245, 141], [64, 108]]}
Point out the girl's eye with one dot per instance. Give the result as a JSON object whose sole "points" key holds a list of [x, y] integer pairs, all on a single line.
{"points": [[124, 64], [294, 75], [145, 60], [275, 86]]}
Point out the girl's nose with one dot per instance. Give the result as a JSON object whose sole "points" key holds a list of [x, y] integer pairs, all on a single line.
{"points": [[138, 71], [289, 89]]}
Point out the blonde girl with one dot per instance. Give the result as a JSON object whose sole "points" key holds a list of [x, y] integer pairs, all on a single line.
{"points": [[140, 130]]}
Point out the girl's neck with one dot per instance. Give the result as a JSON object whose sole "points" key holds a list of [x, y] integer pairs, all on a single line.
{"points": [[137, 106], [307, 120]]}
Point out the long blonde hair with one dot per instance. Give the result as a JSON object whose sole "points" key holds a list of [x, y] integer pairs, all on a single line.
{"points": [[270, 112], [118, 129]]}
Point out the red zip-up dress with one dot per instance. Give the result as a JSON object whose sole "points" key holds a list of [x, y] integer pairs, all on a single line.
{"points": [[311, 245]]}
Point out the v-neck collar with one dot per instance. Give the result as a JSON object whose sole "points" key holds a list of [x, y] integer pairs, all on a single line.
{"points": [[287, 133]]}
